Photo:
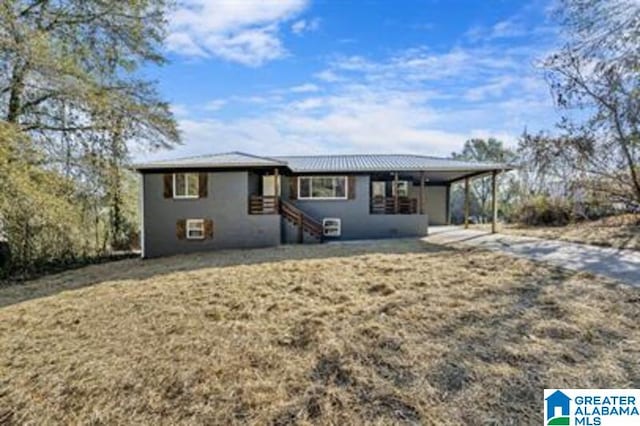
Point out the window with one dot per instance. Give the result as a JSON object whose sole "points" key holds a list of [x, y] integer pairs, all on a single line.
{"points": [[195, 229], [331, 227], [186, 185], [322, 187], [402, 188]]}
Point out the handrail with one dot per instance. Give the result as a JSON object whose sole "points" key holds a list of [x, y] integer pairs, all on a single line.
{"points": [[304, 221]]}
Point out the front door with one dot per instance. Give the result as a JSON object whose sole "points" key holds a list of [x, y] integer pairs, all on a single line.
{"points": [[269, 186]]}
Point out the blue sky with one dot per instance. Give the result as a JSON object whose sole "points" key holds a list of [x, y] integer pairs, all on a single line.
{"points": [[303, 76]]}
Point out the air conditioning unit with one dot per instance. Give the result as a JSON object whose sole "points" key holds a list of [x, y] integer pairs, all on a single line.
{"points": [[331, 227]]}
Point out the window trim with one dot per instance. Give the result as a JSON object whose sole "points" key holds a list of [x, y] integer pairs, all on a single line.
{"points": [[191, 222], [311, 197], [186, 183]]}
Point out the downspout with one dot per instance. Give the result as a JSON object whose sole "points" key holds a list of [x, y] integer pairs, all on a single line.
{"points": [[142, 237]]}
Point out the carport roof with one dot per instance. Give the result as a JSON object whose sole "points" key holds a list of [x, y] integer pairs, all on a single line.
{"points": [[330, 163], [382, 162]]}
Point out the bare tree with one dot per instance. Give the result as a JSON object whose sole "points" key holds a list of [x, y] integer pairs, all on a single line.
{"points": [[595, 78]]}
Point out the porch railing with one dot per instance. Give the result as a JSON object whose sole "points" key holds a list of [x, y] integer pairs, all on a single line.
{"points": [[263, 204], [388, 205]]}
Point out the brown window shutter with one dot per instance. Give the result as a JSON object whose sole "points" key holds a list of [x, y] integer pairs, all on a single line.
{"points": [[168, 185], [202, 185], [208, 228], [181, 229], [351, 187], [293, 188]]}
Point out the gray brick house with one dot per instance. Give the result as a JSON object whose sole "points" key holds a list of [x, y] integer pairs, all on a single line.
{"points": [[238, 200]]}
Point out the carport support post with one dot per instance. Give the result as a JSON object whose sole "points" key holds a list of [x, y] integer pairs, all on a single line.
{"points": [[395, 193], [421, 198], [466, 203], [494, 202], [276, 183]]}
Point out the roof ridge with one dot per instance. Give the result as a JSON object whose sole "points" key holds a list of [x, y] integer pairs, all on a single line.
{"points": [[219, 154], [362, 155], [246, 154]]}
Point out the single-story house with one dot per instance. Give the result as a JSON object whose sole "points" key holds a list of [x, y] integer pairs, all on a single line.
{"points": [[238, 200]]}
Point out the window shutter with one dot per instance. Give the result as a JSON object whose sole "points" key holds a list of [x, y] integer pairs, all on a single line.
{"points": [[351, 187], [208, 228], [168, 185], [202, 185], [293, 188], [181, 229]]}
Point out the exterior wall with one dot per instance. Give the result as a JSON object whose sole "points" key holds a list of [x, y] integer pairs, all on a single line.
{"points": [[226, 203], [357, 221], [437, 204], [290, 234]]}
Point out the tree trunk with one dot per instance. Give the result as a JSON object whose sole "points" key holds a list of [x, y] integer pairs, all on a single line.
{"points": [[15, 93]]}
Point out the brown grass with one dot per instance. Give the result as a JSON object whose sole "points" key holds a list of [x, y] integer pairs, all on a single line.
{"points": [[393, 332], [617, 231]]}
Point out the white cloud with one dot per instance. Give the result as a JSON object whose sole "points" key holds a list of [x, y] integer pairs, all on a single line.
{"points": [[215, 104], [328, 76], [179, 110], [305, 26], [417, 100], [246, 32], [304, 88]]}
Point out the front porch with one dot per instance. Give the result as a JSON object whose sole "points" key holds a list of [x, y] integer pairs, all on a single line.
{"points": [[357, 199]]}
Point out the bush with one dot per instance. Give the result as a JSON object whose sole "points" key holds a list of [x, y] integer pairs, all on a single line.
{"points": [[542, 210]]}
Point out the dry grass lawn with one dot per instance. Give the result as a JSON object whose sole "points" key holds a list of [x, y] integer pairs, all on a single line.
{"points": [[393, 332], [617, 231]]}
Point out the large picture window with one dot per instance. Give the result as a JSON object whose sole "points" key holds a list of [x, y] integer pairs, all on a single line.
{"points": [[322, 187], [185, 185]]}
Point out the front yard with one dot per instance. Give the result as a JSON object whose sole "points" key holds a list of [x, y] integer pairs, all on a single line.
{"points": [[396, 331]]}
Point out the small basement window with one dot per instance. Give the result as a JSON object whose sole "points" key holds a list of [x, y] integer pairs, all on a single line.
{"points": [[195, 229], [186, 185], [331, 227]]}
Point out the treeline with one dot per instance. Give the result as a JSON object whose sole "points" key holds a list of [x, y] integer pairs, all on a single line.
{"points": [[590, 165], [73, 107]]}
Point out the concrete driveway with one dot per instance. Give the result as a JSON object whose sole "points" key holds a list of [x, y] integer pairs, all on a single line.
{"points": [[621, 265]]}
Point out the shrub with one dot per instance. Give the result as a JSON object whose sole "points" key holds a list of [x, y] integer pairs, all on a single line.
{"points": [[544, 210]]}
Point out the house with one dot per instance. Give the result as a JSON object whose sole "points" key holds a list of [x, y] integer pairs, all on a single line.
{"points": [[238, 200]]}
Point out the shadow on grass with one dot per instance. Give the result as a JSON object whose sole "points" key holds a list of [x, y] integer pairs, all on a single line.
{"points": [[138, 269]]}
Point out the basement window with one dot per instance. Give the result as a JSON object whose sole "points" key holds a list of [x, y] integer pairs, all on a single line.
{"points": [[331, 227], [195, 229], [186, 185]]}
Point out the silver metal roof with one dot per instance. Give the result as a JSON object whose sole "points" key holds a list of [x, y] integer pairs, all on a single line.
{"points": [[222, 160], [328, 163], [381, 162]]}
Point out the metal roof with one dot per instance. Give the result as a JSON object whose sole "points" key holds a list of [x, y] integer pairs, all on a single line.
{"points": [[222, 160], [381, 162], [327, 163]]}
